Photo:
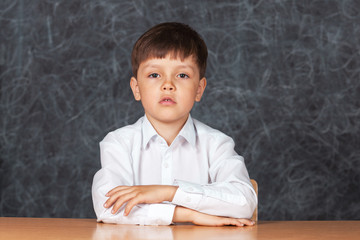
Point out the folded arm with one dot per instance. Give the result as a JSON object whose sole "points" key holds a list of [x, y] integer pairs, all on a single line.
{"points": [[230, 199], [182, 214], [229, 191], [117, 171], [133, 195]]}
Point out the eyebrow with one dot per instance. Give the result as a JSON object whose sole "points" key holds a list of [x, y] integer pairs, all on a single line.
{"points": [[154, 65]]}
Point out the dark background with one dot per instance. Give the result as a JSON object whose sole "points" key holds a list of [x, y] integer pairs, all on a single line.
{"points": [[283, 81]]}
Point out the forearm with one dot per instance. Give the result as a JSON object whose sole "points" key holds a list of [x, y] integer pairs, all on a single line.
{"points": [[182, 215], [221, 199], [146, 214], [143, 214]]}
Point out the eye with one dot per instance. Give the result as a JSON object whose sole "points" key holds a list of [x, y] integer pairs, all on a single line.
{"points": [[183, 75], [154, 75]]}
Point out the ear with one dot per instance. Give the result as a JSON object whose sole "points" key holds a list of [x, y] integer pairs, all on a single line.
{"points": [[135, 88], [201, 89]]}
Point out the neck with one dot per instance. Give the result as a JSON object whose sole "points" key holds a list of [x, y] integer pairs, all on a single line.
{"points": [[168, 131]]}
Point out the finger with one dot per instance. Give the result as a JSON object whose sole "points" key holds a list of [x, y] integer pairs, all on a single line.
{"points": [[118, 204], [246, 221], [233, 222], [134, 201], [238, 224], [115, 196], [116, 189]]}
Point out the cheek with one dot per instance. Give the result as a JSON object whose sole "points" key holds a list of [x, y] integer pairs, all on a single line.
{"points": [[193, 90], [190, 95], [148, 96]]}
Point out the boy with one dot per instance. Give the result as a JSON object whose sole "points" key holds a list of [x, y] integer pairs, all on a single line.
{"points": [[168, 167]]}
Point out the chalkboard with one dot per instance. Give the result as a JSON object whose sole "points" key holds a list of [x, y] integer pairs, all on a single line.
{"points": [[283, 81]]}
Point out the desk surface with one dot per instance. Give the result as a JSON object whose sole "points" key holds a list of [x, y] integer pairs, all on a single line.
{"points": [[56, 228]]}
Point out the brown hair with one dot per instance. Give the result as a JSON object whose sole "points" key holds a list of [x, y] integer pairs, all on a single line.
{"points": [[175, 38]]}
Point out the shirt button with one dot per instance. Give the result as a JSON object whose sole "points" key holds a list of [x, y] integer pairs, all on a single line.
{"points": [[166, 165], [242, 201]]}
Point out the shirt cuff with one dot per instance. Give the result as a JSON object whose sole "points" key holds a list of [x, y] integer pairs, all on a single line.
{"points": [[188, 194], [160, 214]]}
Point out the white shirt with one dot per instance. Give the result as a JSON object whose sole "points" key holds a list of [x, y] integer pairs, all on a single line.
{"points": [[211, 176]]}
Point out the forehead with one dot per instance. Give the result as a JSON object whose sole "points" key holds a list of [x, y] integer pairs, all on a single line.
{"points": [[170, 61]]}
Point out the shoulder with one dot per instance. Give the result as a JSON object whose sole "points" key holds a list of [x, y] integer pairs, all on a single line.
{"points": [[205, 132], [125, 134]]}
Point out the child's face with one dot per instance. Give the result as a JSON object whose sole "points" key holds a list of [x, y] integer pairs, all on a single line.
{"points": [[168, 88]]}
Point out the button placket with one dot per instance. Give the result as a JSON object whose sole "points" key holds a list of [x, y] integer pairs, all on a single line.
{"points": [[167, 167]]}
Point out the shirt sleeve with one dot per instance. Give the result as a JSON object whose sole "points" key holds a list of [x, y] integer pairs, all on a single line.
{"points": [[229, 192], [116, 170]]}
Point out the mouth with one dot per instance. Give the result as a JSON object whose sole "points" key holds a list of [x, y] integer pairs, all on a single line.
{"points": [[167, 101]]}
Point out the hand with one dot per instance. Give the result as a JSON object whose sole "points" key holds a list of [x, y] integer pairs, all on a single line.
{"points": [[188, 215], [210, 220], [134, 195]]}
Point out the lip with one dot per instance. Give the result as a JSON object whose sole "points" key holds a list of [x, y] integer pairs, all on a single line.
{"points": [[167, 101]]}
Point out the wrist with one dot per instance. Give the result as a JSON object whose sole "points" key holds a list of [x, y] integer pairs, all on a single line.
{"points": [[182, 214], [172, 191]]}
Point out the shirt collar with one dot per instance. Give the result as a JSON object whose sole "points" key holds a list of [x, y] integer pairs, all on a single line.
{"points": [[187, 132], [148, 131]]}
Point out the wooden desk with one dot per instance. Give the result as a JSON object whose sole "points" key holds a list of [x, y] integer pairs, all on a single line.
{"points": [[55, 228]]}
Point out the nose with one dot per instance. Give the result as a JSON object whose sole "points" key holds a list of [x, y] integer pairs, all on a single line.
{"points": [[168, 86]]}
